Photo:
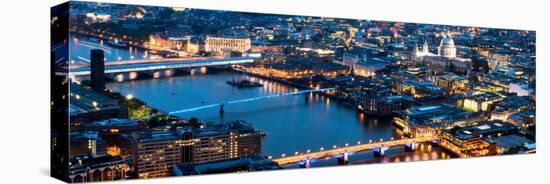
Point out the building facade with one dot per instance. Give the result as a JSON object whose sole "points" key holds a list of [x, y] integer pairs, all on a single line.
{"points": [[101, 168], [155, 153], [429, 120], [446, 59], [221, 45], [97, 68], [472, 140]]}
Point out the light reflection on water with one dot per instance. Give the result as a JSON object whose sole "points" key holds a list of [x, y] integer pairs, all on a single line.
{"points": [[393, 155], [292, 123], [80, 48]]}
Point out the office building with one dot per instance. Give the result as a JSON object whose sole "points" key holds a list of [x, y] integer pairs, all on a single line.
{"points": [[155, 152], [97, 68]]}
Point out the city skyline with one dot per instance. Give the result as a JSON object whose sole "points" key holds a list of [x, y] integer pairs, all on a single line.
{"points": [[158, 91]]}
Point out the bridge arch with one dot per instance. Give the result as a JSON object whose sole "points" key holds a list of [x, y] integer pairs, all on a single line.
{"points": [[117, 173], [78, 179], [97, 175], [108, 174]]}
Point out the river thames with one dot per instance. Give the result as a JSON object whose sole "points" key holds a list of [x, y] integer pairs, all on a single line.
{"points": [[292, 123]]}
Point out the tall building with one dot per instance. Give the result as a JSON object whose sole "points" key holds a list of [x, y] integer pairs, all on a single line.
{"points": [[155, 153], [97, 68]]}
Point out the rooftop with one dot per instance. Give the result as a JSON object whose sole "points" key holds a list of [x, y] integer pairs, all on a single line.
{"points": [[83, 100], [488, 128], [229, 165], [434, 114], [452, 77], [83, 135], [514, 102], [205, 131], [512, 141], [485, 96]]}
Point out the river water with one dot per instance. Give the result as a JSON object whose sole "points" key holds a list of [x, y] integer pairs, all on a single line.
{"points": [[292, 123]]}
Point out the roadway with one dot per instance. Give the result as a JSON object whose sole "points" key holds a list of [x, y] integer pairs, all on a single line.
{"points": [[160, 64], [352, 148]]}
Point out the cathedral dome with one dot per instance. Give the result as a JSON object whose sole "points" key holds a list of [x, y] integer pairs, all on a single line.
{"points": [[447, 41], [447, 47]]}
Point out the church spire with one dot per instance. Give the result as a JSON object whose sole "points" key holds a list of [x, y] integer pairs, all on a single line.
{"points": [[425, 49], [352, 69]]}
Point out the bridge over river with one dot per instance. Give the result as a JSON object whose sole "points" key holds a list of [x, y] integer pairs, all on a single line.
{"points": [[342, 152], [222, 104], [160, 64]]}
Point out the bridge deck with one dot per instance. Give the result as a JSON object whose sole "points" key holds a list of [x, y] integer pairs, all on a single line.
{"points": [[354, 148], [249, 100], [168, 63]]}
